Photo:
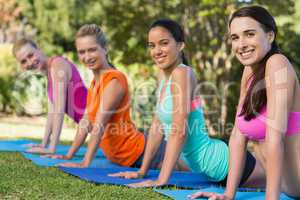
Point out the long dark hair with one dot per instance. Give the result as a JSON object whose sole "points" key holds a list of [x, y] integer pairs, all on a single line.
{"points": [[255, 100], [175, 29]]}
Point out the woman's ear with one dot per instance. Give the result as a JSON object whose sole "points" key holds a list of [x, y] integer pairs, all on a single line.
{"points": [[182, 45], [271, 37], [105, 50]]}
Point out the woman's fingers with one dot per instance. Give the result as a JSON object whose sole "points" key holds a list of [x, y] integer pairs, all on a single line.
{"points": [[209, 195], [127, 175]]}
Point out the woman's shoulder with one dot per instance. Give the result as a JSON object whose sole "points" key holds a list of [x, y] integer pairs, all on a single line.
{"points": [[183, 71], [58, 63], [57, 60], [59, 68], [279, 65], [115, 73], [277, 62]]}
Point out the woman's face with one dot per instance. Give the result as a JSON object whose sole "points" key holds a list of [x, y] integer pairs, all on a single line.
{"points": [[30, 58], [250, 43], [164, 50], [90, 53]]}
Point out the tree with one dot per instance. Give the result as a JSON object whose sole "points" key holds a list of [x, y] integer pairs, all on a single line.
{"points": [[126, 24], [11, 26]]}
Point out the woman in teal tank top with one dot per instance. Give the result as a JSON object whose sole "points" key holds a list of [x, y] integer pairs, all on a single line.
{"points": [[179, 117], [199, 152]]}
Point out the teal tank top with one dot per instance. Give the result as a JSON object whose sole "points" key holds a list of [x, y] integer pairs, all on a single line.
{"points": [[200, 152]]}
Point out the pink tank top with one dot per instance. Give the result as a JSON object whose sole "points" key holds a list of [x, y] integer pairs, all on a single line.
{"points": [[255, 129], [76, 92]]}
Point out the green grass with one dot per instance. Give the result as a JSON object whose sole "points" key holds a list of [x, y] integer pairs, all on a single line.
{"points": [[21, 179]]}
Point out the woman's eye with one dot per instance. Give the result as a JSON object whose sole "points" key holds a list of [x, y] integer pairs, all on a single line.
{"points": [[233, 38], [165, 43], [30, 55], [92, 49], [150, 46], [250, 34]]}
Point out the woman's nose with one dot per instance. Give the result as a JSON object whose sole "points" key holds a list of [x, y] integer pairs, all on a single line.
{"points": [[29, 64], [157, 50], [86, 57], [242, 43]]}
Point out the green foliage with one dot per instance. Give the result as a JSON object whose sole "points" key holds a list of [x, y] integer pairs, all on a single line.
{"points": [[296, 16], [53, 23], [126, 23], [278, 7], [142, 83], [8, 75], [289, 42]]}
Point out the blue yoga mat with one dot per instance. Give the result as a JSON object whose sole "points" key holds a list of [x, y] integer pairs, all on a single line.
{"points": [[99, 162], [14, 145], [182, 194], [97, 175], [18, 145]]}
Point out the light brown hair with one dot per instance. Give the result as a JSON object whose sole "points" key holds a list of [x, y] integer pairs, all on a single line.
{"points": [[22, 42], [93, 30]]}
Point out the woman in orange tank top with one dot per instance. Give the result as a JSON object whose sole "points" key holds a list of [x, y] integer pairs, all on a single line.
{"points": [[108, 108]]}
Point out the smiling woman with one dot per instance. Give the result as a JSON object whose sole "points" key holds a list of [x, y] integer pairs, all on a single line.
{"points": [[64, 84], [268, 112], [91, 55], [179, 119], [165, 46], [248, 40], [107, 117]]}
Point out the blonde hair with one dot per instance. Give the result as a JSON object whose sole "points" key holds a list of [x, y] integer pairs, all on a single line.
{"points": [[22, 42], [92, 30]]}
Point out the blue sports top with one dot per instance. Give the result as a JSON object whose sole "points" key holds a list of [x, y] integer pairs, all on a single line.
{"points": [[200, 152]]}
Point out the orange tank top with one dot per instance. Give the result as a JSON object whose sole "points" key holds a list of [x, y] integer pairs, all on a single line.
{"points": [[121, 142]]}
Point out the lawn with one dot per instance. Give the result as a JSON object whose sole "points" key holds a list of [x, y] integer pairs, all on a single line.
{"points": [[21, 179]]}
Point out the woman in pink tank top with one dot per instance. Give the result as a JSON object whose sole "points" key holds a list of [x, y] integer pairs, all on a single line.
{"points": [[66, 90], [269, 106]]}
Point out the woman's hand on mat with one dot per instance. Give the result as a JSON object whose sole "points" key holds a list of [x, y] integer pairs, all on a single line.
{"points": [[147, 183], [72, 164], [209, 195], [40, 150], [128, 175], [57, 156]]}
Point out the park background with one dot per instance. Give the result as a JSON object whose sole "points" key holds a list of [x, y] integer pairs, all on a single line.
{"points": [[53, 25]]}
